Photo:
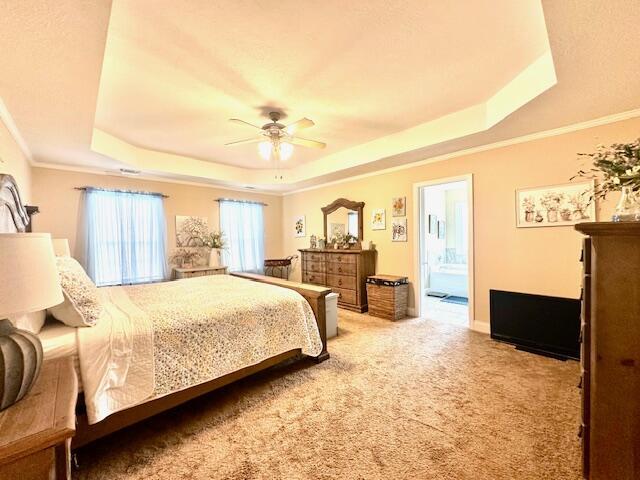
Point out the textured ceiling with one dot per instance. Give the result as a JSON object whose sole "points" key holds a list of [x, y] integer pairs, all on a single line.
{"points": [[175, 72], [53, 53]]}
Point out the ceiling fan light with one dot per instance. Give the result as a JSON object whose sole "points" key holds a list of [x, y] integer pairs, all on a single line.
{"points": [[286, 150], [265, 148]]}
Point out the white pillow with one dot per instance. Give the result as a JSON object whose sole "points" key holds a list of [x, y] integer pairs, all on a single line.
{"points": [[31, 322], [82, 306]]}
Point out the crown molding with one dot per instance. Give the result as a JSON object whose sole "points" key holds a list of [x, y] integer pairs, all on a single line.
{"points": [[8, 122], [151, 178], [617, 117]]}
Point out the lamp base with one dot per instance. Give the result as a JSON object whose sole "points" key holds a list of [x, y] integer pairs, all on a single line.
{"points": [[21, 358]]}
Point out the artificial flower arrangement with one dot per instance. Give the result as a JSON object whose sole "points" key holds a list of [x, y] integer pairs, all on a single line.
{"points": [[213, 240], [184, 257], [619, 165]]}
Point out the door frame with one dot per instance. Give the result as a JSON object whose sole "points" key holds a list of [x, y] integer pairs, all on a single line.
{"points": [[418, 241]]}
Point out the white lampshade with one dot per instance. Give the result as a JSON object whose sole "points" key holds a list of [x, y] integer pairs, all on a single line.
{"points": [[29, 278], [61, 247]]}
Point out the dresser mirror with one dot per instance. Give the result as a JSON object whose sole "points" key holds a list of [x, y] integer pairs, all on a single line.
{"points": [[343, 220]]}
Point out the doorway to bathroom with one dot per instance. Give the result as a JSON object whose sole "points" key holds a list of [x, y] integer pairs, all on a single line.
{"points": [[445, 239]]}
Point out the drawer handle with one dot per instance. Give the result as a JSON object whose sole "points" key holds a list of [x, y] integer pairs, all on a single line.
{"points": [[338, 258], [339, 281], [312, 278], [339, 269]]}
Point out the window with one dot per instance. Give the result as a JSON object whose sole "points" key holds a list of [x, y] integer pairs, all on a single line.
{"points": [[242, 224], [125, 237]]}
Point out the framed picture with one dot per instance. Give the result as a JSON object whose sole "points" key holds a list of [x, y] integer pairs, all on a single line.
{"points": [[399, 206], [442, 230], [336, 229], [189, 230], [300, 227], [555, 205], [378, 219], [399, 231], [433, 224]]}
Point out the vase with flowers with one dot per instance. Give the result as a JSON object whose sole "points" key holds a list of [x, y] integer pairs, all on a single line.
{"points": [[618, 167], [215, 241]]}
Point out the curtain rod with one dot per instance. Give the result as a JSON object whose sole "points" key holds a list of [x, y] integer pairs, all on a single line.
{"points": [[157, 194], [240, 201]]}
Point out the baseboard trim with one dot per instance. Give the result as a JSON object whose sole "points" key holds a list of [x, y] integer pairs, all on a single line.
{"points": [[482, 327]]}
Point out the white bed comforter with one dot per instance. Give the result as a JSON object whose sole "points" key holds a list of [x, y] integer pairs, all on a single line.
{"points": [[156, 339]]}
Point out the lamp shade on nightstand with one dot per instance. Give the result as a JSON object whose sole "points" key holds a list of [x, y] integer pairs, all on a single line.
{"points": [[29, 282]]}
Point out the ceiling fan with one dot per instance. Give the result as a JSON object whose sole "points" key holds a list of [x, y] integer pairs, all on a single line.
{"points": [[277, 140]]}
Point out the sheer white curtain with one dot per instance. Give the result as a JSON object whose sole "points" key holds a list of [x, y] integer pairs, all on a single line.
{"points": [[124, 237], [242, 224]]}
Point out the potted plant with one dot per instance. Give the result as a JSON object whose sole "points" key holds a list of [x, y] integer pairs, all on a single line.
{"points": [[529, 206], [618, 168], [216, 242], [184, 258], [551, 203]]}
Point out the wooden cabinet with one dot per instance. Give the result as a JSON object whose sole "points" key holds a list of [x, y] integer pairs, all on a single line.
{"points": [[35, 432], [191, 272], [610, 351], [344, 271]]}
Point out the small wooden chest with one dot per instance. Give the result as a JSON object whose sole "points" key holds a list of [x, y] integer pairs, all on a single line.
{"points": [[388, 296]]}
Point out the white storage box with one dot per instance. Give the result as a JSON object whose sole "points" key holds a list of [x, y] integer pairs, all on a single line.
{"points": [[331, 304]]}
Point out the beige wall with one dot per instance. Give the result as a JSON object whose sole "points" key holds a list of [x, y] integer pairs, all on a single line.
{"points": [[14, 162], [59, 202], [536, 260]]}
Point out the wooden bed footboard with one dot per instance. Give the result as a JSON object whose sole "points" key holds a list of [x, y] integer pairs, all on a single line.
{"points": [[314, 294], [86, 433]]}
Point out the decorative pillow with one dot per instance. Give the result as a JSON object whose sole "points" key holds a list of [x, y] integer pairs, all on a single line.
{"points": [[82, 306], [31, 322]]}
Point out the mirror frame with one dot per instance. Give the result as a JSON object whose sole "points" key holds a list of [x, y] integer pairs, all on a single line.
{"points": [[349, 205]]}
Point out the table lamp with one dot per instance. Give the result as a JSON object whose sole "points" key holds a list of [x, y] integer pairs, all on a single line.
{"points": [[29, 282]]}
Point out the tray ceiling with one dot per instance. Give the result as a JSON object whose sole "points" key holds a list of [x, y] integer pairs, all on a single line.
{"points": [[147, 85]]}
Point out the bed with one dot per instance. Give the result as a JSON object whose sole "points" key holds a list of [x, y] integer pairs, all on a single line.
{"points": [[150, 352]]}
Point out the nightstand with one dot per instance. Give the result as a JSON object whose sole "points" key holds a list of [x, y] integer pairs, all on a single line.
{"points": [[35, 432], [179, 273]]}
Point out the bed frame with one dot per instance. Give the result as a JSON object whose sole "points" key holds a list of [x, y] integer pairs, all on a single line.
{"points": [[20, 216]]}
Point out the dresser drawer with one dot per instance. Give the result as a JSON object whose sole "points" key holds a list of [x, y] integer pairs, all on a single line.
{"points": [[312, 266], [346, 296], [314, 278], [313, 257], [341, 257], [341, 268], [341, 281]]}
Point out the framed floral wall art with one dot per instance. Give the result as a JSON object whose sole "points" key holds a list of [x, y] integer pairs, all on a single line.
{"points": [[399, 206], [300, 227], [190, 230], [399, 233], [378, 219], [555, 205]]}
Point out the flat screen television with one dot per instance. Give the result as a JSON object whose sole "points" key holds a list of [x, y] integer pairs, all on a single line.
{"points": [[536, 323]]}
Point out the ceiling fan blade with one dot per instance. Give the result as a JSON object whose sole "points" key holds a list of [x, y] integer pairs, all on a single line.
{"points": [[307, 143], [242, 122], [246, 140], [299, 125]]}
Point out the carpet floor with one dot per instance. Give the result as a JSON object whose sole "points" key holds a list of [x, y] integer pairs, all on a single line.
{"points": [[414, 399]]}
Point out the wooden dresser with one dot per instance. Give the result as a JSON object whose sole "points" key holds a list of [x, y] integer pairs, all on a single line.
{"points": [[344, 271], [610, 351]]}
